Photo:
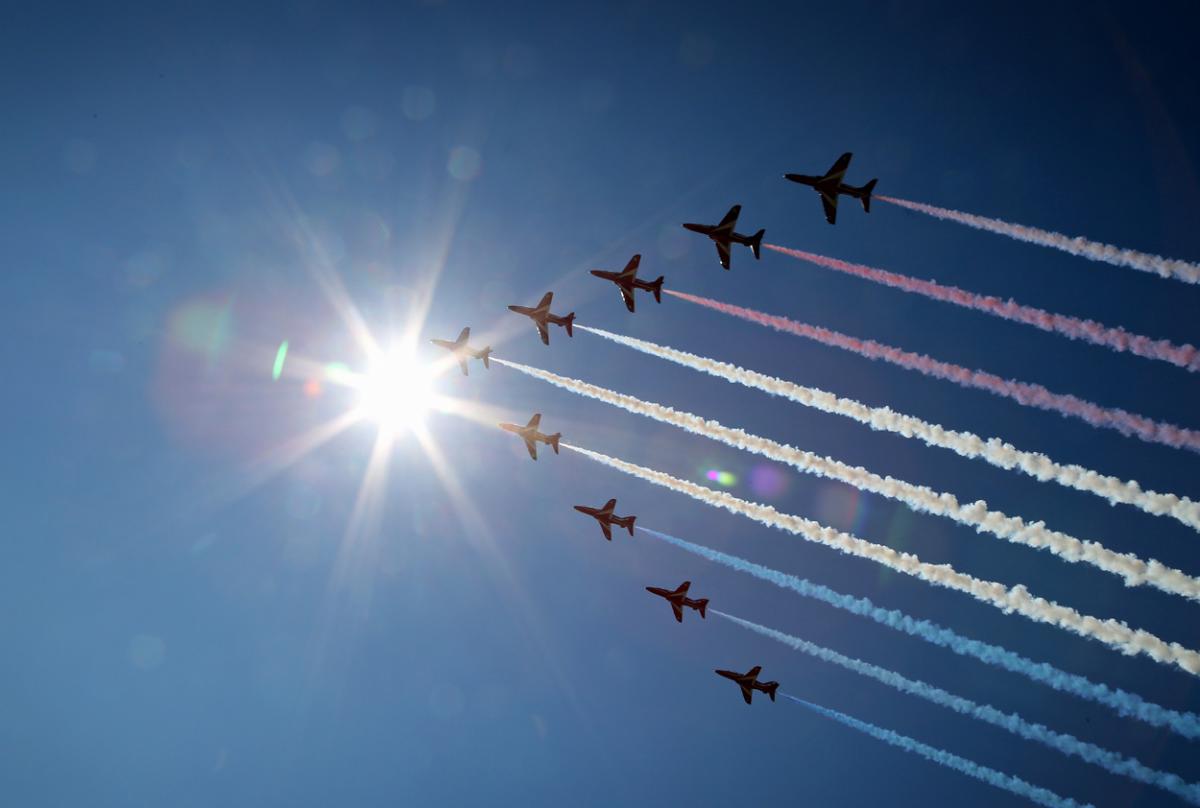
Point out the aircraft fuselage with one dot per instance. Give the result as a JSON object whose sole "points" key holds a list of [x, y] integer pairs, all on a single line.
{"points": [[830, 187], [682, 600], [715, 233]]}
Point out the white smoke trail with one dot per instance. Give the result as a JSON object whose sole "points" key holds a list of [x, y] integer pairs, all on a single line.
{"points": [[1086, 248], [1125, 704], [1132, 569], [1029, 730], [1017, 599], [991, 450], [1007, 782]]}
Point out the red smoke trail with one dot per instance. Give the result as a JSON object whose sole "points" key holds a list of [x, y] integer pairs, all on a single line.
{"points": [[1095, 250], [1118, 339], [1031, 395]]}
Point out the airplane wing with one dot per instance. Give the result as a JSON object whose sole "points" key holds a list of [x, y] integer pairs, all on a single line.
{"points": [[754, 672], [683, 588], [543, 332], [632, 267], [723, 253], [746, 694], [838, 169], [532, 447], [675, 607], [462, 363], [627, 294], [545, 301], [464, 335], [830, 204], [608, 506], [731, 217], [607, 530], [535, 421]]}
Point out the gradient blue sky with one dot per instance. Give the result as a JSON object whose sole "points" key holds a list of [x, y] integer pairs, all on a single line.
{"points": [[182, 628]]}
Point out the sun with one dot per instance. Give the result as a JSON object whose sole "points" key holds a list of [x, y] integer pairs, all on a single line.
{"points": [[396, 392]]}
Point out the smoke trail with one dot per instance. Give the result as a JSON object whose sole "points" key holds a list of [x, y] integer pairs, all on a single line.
{"points": [[1127, 705], [1031, 395], [1029, 730], [1118, 339], [965, 444], [1095, 250], [1113, 633], [1007, 782], [1132, 569]]}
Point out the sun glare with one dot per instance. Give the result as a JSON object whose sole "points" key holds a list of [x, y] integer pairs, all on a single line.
{"points": [[396, 392]]}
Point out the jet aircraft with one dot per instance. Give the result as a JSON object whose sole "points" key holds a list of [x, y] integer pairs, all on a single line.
{"points": [[748, 682], [627, 280], [678, 599], [830, 185], [606, 519], [462, 351], [542, 317], [723, 235], [529, 433]]}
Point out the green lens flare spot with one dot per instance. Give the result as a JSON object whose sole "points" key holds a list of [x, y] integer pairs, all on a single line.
{"points": [[338, 373], [280, 356]]}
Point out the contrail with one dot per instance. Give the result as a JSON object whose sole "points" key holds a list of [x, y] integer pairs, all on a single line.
{"points": [[977, 515], [1007, 782], [992, 450], [1117, 339], [1031, 395], [1017, 599], [1127, 705], [1029, 730], [1095, 250]]}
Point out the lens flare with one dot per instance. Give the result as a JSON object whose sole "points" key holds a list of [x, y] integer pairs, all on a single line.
{"points": [[725, 479], [280, 356]]}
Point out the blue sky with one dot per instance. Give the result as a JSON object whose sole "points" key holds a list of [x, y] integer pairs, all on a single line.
{"points": [[187, 624]]}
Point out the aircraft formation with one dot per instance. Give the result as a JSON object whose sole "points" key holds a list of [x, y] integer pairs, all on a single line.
{"points": [[723, 235], [830, 187]]}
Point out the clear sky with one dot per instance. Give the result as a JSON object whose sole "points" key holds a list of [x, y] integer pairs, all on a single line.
{"points": [[200, 608]]}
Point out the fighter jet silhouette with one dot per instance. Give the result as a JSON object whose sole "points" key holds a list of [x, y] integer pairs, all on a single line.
{"points": [[830, 185], [462, 352], [748, 682], [529, 433], [541, 317], [722, 235], [678, 599], [627, 280], [606, 519]]}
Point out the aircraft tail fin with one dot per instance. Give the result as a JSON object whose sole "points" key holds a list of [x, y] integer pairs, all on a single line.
{"points": [[569, 324], [756, 242], [702, 605], [770, 688], [656, 288], [484, 354], [866, 195], [553, 441], [629, 524]]}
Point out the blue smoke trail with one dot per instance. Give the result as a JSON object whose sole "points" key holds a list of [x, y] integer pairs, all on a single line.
{"points": [[1127, 705], [1008, 782], [1067, 744]]}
